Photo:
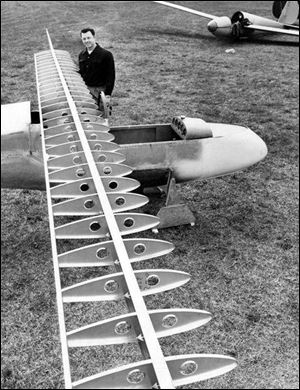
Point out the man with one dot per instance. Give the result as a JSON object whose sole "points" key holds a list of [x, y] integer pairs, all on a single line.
{"points": [[97, 67]]}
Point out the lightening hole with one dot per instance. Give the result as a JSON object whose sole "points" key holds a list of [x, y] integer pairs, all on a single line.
{"points": [[120, 201], [70, 138], [80, 172], [188, 368], [88, 204], [93, 136], [169, 321], [64, 113], [113, 185], [139, 249], [102, 253], [135, 376], [152, 280], [107, 170], [111, 286], [101, 158], [94, 226], [98, 147], [129, 222], [122, 327], [77, 160], [84, 187], [73, 148]]}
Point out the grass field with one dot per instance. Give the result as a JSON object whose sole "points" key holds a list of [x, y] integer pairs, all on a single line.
{"points": [[242, 253]]}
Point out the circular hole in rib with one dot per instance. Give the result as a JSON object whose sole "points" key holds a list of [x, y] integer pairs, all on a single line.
{"points": [[122, 327], [120, 201], [113, 185], [93, 136], [101, 158], [67, 120], [89, 127], [169, 321], [139, 249], [129, 222], [83, 112], [77, 160], [73, 148], [111, 286], [102, 253], [189, 367], [98, 147], [107, 170], [94, 226], [152, 280], [86, 120], [64, 113], [80, 172], [84, 187], [135, 376], [45, 127], [88, 204], [70, 138]]}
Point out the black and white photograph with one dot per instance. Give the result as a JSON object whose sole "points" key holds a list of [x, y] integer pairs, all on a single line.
{"points": [[150, 194]]}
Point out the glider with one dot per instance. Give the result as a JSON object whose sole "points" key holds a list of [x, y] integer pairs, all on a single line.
{"points": [[89, 196], [243, 24]]}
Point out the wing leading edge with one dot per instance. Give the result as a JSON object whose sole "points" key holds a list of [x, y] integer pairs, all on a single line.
{"points": [[283, 30]]}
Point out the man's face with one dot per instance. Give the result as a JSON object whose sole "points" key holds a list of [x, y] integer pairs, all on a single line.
{"points": [[88, 40]]}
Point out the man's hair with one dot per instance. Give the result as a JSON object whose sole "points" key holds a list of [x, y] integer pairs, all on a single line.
{"points": [[85, 30]]}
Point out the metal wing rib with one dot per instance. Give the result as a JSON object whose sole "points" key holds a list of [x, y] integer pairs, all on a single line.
{"points": [[85, 178]]}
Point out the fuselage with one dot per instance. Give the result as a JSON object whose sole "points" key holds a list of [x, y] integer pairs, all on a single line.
{"points": [[203, 151]]}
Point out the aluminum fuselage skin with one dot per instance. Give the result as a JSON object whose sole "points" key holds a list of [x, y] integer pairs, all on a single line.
{"points": [[150, 150]]}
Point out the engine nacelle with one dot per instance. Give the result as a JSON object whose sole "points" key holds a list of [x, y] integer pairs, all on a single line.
{"points": [[191, 128]]}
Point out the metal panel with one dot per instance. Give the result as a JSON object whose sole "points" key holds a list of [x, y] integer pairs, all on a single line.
{"points": [[97, 227], [83, 171], [86, 186], [90, 205], [121, 329], [104, 253], [110, 287], [76, 146]]}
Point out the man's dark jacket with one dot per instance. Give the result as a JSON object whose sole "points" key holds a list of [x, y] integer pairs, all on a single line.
{"points": [[98, 68]]}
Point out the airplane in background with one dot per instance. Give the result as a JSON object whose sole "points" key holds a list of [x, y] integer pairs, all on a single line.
{"points": [[243, 24]]}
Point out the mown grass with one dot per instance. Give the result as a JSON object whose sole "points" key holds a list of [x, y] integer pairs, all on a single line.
{"points": [[243, 252]]}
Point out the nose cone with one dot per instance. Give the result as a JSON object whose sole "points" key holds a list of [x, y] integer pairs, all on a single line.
{"points": [[231, 149], [237, 148], [212, 26]]}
